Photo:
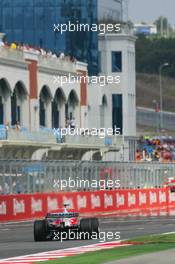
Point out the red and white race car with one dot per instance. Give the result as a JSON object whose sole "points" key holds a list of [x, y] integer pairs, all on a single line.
{"points": [[65, 224]]}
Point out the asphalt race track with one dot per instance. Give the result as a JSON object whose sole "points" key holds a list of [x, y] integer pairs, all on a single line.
{"points": [[17, 239]]}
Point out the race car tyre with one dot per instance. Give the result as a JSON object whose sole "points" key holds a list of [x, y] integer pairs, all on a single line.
{"points": [[95, 226], [89, 226], [85, 228], [40, 230]]}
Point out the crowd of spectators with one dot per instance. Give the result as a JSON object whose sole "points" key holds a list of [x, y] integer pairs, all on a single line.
{"points": [[40, 51], [160, 149]]}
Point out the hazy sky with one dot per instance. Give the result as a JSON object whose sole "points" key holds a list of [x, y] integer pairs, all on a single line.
{"points": [[150, 10]]}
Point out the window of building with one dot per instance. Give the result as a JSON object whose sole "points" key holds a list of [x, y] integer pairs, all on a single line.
{"points": [[18, 18], [18, 3], [38, 3], [28, 22], [6, 22], [50, 3], [28, 3], [40, 18], [117, 112], [7, 3], [116, 61]]}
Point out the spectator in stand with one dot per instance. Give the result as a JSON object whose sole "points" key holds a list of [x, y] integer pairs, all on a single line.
{"points": [[43, 52], [138, 155], [61, 57], [6, 188], [7, 126], [156, 156], [72, 123], [73, 59], [66, 123], [13, 45], [17, 126], [49, 54], [163, 148], [39, 51], [1, 43], [18, 187], [54, 56], [19, 46], [6, 44]]}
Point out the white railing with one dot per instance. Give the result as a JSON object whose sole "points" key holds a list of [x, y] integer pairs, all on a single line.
{"points": [[8, 53], [48, 136], [40, 136], [96, 141], [43, 60], [56, 64]]}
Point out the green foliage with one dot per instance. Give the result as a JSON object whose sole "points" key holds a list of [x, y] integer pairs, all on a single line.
{"points": [[151, 53], [150, 239]]}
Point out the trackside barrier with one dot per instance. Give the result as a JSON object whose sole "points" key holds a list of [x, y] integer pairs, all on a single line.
{"points": [[140, 201], [22, 176]]}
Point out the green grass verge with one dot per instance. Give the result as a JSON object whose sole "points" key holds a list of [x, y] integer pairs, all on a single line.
{"points": [[151, 244], [169, 238]]}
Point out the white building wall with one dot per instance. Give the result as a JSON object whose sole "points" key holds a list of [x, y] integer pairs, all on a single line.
{"points": [[125, 44]]}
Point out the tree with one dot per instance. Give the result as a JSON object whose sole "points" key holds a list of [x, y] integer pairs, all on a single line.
{"points": [[151, 53]]}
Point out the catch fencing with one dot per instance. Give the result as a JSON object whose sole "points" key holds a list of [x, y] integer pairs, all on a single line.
{"points": [[18, 176], [148, 117]]}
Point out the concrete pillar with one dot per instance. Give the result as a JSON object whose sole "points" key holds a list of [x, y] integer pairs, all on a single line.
{"points": [[7, 109], [76, 114], [48, 113], [62, 115], [84, 117], [33, 114], [31, 58], [25, 112]]}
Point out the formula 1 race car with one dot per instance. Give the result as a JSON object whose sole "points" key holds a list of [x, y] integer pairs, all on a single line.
{"points": [[65, 225]]}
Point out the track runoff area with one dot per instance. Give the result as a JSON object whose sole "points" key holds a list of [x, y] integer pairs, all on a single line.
{"points": [[17, 242]]}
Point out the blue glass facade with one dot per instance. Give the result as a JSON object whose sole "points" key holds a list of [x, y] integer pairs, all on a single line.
{"points": [[31, 22]]}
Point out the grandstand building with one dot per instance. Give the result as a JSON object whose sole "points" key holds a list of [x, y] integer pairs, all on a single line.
{"points": [[33, 102]]}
